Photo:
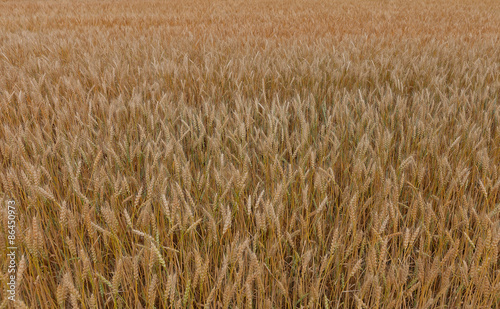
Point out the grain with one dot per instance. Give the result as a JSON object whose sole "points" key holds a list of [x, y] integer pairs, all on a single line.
{"points": [[252, 153]]}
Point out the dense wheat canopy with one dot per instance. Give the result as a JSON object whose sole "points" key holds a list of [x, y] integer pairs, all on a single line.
{"points": [[251, 154]]}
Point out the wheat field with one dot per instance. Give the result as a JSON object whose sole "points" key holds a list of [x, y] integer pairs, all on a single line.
{"points": [[250, 154]]}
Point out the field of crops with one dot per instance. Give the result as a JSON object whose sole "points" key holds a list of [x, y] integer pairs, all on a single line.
{"points": [[250, 154]]}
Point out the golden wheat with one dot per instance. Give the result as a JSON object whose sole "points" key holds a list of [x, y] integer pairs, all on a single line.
{"points": [[257, 154]]}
